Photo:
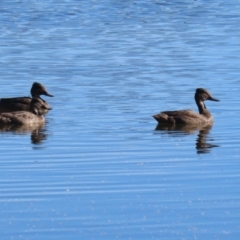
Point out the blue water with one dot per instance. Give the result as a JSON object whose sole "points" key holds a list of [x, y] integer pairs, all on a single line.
{"points": [[98, 169]]}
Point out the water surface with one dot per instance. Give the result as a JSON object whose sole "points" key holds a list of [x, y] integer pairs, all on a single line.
{"points": [[99, 169]]}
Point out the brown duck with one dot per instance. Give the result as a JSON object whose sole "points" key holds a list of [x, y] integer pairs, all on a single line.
{"points": [[31, 117], [23, 103], [189, 117]]}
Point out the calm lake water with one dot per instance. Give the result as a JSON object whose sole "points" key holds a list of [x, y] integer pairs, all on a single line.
{"points": [[98, 169]]}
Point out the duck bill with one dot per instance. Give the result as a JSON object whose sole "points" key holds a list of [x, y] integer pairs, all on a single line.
{"points": [[213, 99], [47, 94]]}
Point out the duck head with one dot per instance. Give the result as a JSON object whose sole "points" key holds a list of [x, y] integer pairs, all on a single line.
{"points": [[38, 89], [203, 95]]}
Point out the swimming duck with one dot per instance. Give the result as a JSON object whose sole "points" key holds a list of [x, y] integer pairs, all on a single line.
{"points": [[189, 117], [23, 103], [31, 117]]}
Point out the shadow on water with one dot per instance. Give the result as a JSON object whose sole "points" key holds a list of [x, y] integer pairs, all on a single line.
{"points": [[38, 132], [203, 144]]}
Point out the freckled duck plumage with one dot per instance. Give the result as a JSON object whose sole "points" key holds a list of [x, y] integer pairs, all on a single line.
{"points": [[189, 117], [31, 117], [23, 103]]}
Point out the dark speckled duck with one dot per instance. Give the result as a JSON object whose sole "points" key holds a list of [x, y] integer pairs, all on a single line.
{"points": [[189, 117], [23, 103], [31, 117]]}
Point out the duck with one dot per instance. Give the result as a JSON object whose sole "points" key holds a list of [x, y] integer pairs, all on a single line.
{"points": [[23, 103], [31, 117], [189, 117]]}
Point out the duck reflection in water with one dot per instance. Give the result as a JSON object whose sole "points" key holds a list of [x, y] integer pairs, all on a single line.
{"points": [[38, 135], [203, 144], [38, 132]]}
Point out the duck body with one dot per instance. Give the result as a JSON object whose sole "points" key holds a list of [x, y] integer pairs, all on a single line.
{"points": [[21, 118], [189, 117], [182, 117], [31, 117], [23, 103]]}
